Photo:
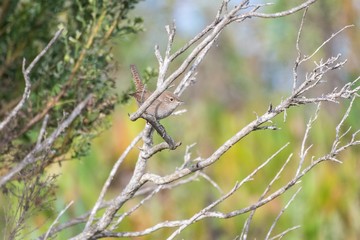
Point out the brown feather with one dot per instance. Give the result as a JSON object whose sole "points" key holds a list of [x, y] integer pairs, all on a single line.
{"points": [[136, 77]]}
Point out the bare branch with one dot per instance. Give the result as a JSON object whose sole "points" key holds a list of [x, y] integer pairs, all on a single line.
{"points": [[179, 112], [279, 236], [190, 75], [172, 185], [281, 212], [158, 56], [144, 191], [142, 202], [25, 96], [57, 219], [246, 227], [42, 130], [303, 151], [215, 29], [31, 157], [201, 44], [283, 13], [223, 7], [326, 41], [298, 58], [26, 73], [164, 63], [200, 215], [335, 150], [196, 216], [129, 191], [110, 178], [212, 182], [341, 123], [231, 192], [42, 53]]}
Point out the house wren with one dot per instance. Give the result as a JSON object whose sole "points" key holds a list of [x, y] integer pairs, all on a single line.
{"points": [[162, 107]]}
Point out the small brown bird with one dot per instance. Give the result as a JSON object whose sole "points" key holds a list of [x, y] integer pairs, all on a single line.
{"points": [[162, 107]]}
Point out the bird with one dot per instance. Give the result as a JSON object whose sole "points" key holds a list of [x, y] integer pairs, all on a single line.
{"points": [[161, 107]]}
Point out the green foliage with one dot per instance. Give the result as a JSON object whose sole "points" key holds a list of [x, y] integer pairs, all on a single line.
{"points": [[77, 65], [74, 67]]}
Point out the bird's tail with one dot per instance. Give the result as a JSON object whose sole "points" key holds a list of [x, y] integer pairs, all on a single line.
{"points": [[136, 77]]}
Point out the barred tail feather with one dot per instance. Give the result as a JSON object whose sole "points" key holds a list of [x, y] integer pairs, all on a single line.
{"points": [[136, 77]]}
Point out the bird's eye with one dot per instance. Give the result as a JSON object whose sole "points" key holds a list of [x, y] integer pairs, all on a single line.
{"points": [[171, 99]]}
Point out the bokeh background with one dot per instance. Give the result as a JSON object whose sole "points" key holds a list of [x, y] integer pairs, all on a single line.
{"points": [[249, 68]]}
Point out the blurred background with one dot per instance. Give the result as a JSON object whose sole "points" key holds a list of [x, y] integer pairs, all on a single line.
{"points": [[249, 68]]}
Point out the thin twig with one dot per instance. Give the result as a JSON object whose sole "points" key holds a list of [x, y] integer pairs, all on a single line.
{"points": [[110, 178], [26, 73], [133, 209], [42, 130], [31, 157], [303, 151], [280, 235], [246, 227], [298, 58], [231, 192], [326, 41], [211, 181], [25, 96], [57, 219], [282, 13], [280, 213]]}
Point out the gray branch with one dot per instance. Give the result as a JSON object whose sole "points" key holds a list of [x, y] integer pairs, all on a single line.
{"points": [[31, 157], [110, 218], [26, 72], [213, 30]]}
